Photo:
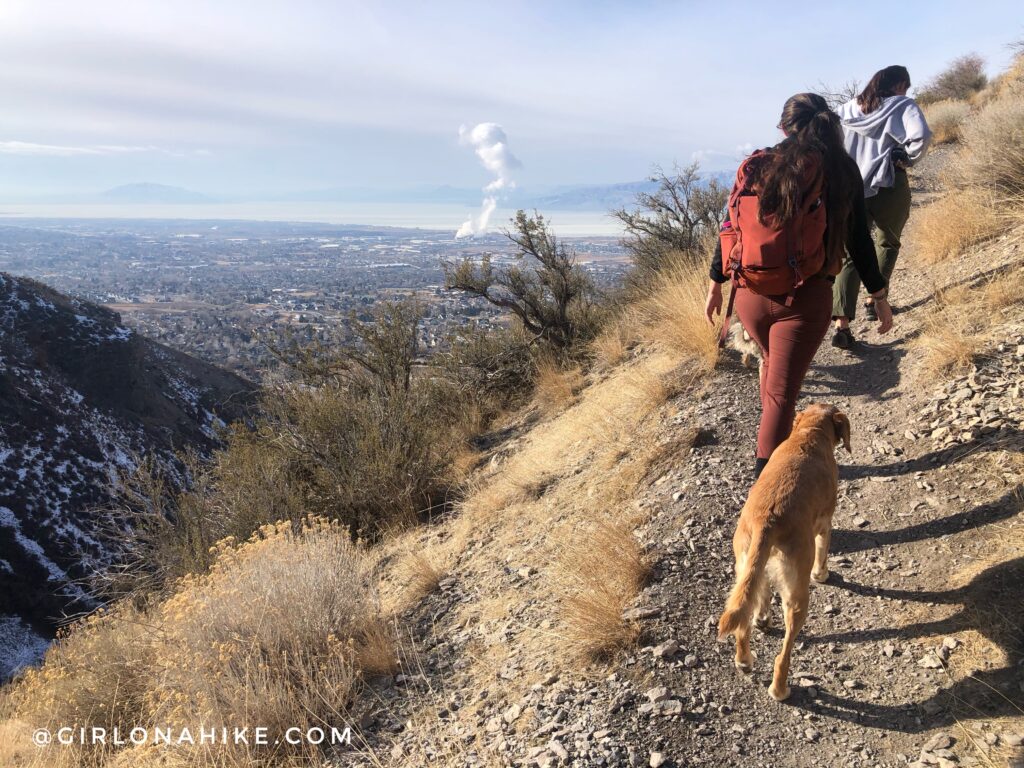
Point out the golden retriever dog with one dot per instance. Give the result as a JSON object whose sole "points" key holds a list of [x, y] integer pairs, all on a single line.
{"points": [[783, 534]]}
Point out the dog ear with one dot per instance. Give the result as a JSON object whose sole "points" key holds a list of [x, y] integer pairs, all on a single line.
{"points": [[842, 427]]}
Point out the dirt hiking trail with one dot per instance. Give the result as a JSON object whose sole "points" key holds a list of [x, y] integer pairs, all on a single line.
{"points": [[913, 651]]}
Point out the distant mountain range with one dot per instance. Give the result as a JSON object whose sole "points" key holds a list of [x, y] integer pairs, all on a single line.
{"points": [[572, 197], [152, 193], [81, 398]]}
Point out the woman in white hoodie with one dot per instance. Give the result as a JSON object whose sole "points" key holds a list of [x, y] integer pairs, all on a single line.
{"points": [[886, 133]]}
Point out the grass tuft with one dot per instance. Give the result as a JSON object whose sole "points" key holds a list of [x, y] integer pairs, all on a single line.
{"points": [[945, 118], [672, 316], [601, 570], [556, 387], [993, 140], [947, 227], [963, 321]]}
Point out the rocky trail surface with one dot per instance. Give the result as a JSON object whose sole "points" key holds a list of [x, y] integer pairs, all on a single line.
{"points": [[913, 652]]}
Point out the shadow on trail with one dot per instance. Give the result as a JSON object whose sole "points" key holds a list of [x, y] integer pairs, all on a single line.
{"points": [[1006, 506], [989, 604], [1006, 439], [865, 375]]}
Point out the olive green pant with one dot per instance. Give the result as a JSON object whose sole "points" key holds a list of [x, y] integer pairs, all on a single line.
{"points": [[888, 211]]}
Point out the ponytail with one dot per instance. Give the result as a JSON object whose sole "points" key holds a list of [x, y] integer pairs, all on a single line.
{"points": [[882, 85], [813, 146]]}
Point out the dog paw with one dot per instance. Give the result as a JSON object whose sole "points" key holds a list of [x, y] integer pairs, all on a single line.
{"points": [[763, 622], [780, 693], [745, 666], [820, 576]]}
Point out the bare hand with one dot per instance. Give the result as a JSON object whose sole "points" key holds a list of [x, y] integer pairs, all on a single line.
{"points": [[884, 312], [714, 303]]}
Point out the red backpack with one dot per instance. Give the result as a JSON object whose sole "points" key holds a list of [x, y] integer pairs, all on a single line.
{"points": [[769, 260], [774, 260]]}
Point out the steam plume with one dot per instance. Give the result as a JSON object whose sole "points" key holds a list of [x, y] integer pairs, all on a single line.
{"points": [[491, 145]]}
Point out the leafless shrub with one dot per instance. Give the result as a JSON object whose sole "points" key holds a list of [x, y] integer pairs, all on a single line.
{"points": [[837, 95], [963, 77], [681, 216], [548, 293]]}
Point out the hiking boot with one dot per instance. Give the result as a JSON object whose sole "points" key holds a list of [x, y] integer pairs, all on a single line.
{"points": [[869, 312], [843, 338]]}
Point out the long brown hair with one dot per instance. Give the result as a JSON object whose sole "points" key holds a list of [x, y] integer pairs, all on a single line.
{"points": [[814, 140], [881, 85]]}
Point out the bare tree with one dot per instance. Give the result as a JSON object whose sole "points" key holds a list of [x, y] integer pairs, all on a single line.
{"points": [[382, 354], [963, 77], [681, 216], [837, 95], [546, 290]]}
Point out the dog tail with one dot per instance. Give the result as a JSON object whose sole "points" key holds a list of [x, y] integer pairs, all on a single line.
{"points": [[749, 578]]}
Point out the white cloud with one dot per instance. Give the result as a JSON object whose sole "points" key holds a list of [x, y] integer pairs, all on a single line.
{"points": [[491, 145], [717, 158], [351, 91], [59, 150]]}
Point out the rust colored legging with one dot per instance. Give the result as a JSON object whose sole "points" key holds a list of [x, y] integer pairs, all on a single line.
{"points": [[788, 337]]}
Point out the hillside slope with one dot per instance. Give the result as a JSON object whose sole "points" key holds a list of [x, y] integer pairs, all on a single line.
{"points": [[914, 642], [562, 610], [81, 398]]}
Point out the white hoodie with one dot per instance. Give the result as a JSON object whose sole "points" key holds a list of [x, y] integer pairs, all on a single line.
{"points": [[870, 138]]}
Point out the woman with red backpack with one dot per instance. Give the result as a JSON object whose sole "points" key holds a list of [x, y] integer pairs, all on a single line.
{"points": [[793, 210]]}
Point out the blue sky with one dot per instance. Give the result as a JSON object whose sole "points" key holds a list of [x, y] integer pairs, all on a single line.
{"points": [[231, 97]]}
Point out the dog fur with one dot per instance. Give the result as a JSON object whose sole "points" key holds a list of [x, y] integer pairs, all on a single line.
{"points": [[741, 341], [783, 535]]}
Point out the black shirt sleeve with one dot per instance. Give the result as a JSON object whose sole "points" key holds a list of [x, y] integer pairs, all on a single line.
{"points": [[861, 248], [715, 273]]}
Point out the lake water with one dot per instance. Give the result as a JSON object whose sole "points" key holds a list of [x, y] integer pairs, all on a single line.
{"points": [[425, 216]]}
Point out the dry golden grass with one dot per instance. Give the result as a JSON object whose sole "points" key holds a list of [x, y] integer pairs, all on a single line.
{"points": [[993, 156], [276, 625], [962, 320], [950, 225], [986, 198], [419, 577], [94, 674], [944, 118], [601, 569], [464, 463], [555, 388], [278, 633], [525, 510], [1010, 83], [614, 342], [672, 316], [16, 747], [948, 345]]}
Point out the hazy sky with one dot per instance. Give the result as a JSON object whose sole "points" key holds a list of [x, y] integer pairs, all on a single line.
{"points": [[226, 96]]}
